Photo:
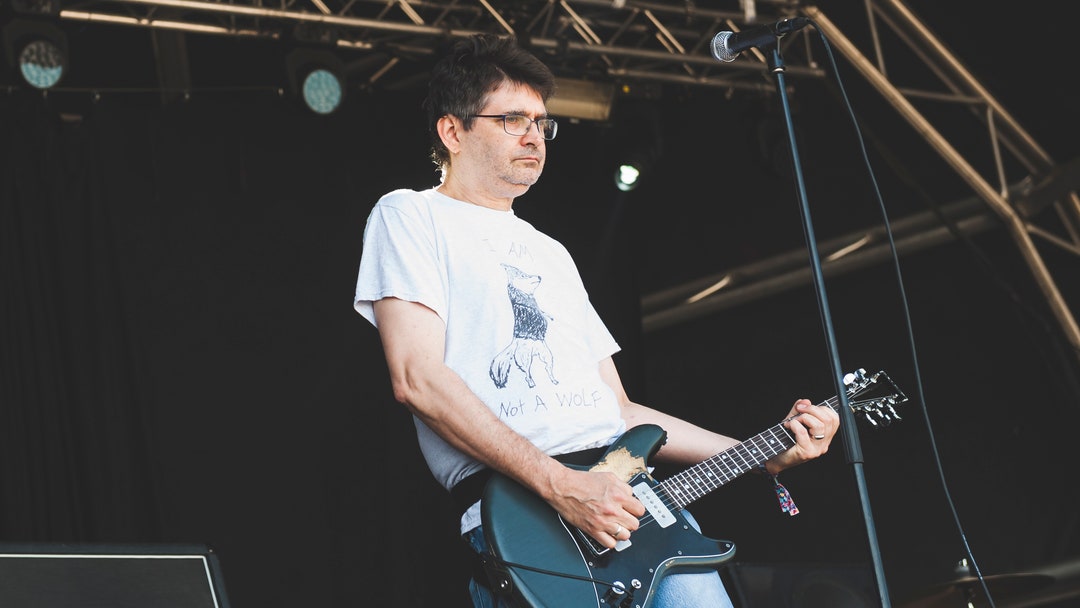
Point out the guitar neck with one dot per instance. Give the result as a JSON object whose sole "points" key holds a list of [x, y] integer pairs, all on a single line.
{"points": [[727, 466]]}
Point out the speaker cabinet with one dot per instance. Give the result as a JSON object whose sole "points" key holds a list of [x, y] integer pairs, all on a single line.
{"points": [[801, 585], [48, 575]]}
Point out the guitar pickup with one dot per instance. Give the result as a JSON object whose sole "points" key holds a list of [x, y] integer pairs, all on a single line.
{"points": [[656, 507]]}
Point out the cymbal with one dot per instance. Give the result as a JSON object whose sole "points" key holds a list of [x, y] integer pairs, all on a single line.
{"points": [[957, 593]]}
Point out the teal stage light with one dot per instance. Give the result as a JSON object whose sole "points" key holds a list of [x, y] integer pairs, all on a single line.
{"points": [[41, 63], [322, 91], [316, 77], [38, 49]]}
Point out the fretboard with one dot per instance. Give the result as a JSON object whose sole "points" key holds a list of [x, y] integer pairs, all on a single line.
{"points": [[720, 469]]}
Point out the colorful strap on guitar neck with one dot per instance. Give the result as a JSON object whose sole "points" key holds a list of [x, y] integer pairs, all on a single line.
{"points": [[787, 503]]}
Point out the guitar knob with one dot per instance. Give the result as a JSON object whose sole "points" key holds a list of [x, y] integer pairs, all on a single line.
{"points": [[615, 594]]}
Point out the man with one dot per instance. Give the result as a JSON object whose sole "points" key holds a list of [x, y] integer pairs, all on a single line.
{"points": [[489, 336]]}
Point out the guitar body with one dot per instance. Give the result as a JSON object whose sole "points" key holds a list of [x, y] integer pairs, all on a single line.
{"points": [[542, 562], [524, 530]]}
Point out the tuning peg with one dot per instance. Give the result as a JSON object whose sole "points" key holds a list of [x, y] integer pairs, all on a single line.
{"points": [[892, 410], [859, 374]]}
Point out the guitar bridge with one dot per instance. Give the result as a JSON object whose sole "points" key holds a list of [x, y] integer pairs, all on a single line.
{"points": [[594, 547]]}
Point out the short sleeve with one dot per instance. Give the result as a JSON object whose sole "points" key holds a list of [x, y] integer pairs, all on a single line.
{"points": [[400, 256]]}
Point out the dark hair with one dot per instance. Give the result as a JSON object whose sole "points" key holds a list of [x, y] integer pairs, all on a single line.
{"points": [[476, 66]]}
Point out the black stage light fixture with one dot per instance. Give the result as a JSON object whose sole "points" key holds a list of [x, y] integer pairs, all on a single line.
{"points": [[38, 49], [45, 8]]}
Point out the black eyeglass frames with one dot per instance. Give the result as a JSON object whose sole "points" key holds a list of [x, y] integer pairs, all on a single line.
{"points": [[518, 124]]}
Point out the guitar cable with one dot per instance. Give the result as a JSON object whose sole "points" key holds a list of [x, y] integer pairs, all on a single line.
{"points": [[496, 565]]}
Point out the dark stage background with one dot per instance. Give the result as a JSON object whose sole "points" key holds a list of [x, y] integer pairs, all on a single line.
{"points": [[180, 360]]}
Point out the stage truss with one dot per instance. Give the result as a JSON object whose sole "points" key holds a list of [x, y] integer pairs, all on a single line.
{"points": [[638, 44]]}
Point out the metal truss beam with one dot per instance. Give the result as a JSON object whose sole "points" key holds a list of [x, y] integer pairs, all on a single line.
{"points": [[1044, 205], [854, 251], [1003, 130], [668, 42], [639, 41]]}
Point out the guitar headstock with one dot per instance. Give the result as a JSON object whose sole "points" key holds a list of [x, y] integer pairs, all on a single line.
{"points": [[874, 396]]}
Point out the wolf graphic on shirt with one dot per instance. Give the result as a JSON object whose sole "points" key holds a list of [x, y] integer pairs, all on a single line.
{"points": [[530, 329]]}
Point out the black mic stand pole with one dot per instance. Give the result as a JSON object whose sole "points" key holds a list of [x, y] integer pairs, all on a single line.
{"points": [[849, 433]]}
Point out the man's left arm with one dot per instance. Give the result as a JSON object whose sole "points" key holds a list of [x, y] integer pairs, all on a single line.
{"points": [[688, 443]]}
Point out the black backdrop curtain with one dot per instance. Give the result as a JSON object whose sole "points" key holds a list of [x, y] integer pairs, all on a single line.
{"points": [[76, 444], [180, 360]]}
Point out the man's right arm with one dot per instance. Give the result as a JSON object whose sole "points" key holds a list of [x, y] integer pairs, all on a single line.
{"points": [[413, 338]]}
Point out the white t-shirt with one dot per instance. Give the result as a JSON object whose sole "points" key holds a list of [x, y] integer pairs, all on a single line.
{"points": [[520, 330]]}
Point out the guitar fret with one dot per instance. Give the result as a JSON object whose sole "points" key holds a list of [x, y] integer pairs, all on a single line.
{"points": [[693, 486], [674, 491], [778, 441], [755, 452], [693, 483], [742, 453], [724, 466], [707, 477], [703, 478], [698, 480]]}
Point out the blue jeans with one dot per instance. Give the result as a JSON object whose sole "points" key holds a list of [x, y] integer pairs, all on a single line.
{"points": [[683, 590]]}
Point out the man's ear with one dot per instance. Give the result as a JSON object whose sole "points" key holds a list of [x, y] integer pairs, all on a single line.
{"points": [[449, 127]]}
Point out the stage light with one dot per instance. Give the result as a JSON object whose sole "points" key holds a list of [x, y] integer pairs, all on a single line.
{"points": [[637, 142], [42, 63], [38, 50], [635, 164], [317, 77], [627, 176], [322, 91]]}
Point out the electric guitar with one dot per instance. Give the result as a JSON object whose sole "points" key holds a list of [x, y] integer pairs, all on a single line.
{"points": [[541, 561]]}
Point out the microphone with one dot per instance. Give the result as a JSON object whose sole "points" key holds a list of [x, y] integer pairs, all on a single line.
{"points": [[726, 46]]}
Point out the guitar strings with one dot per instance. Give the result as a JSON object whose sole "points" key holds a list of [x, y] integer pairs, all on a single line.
{"points": [[728, 472], [695, 480]]}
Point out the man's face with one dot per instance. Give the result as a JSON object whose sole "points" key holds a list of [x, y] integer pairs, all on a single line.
{"points": [[507, 164]]}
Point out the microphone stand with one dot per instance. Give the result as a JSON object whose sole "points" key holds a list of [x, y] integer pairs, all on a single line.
{"points": [[849, 432]]}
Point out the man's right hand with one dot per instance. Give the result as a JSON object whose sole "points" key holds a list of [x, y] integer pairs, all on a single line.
{"points": [[598, 503]]}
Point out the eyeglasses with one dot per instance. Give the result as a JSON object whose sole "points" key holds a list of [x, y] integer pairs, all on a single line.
{"points": [[518, 125]]}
